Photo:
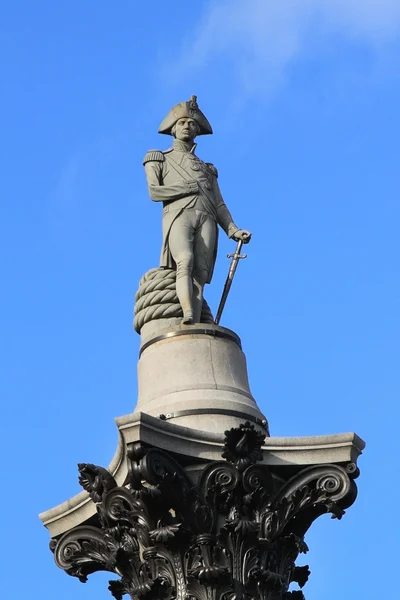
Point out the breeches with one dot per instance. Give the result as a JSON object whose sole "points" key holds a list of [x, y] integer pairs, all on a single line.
{"points": [[192, 240]]}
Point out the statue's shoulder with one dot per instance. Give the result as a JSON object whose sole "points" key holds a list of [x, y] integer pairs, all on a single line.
{"points": [[213, 169], [154, 155]]}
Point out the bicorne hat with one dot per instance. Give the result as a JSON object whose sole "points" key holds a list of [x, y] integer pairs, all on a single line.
{"points": [[190, 110]]}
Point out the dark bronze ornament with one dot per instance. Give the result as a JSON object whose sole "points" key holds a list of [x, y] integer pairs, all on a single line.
{"points": [[234, 534]]}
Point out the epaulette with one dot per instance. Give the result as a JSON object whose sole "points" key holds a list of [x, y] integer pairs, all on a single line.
{"points": [[213, 169], [153, 155]]}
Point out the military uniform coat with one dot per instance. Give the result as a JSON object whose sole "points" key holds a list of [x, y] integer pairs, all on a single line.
{"points": [[180, 180]]}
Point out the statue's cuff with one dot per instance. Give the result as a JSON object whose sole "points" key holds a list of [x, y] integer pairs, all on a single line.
{"points": [[232, 229], [193, 186]]}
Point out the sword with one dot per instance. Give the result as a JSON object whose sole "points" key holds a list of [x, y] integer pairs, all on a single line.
{"points": [[228, 283]]}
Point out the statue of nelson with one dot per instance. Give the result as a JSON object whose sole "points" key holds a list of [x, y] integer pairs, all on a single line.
{"points": [[192, 206]]}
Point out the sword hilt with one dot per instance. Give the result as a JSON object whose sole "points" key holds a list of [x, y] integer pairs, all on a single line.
{"points": [[237, 254]]}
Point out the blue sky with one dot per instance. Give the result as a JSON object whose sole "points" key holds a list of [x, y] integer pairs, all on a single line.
{"points": [[303, 97]]}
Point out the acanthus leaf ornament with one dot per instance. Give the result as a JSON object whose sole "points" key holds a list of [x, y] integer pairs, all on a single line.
{"points": [[234, 534], [95, 480], [242, 445]]}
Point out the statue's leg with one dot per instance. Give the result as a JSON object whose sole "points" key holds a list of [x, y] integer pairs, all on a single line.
{"points": [[203, 251], [180, 240]]}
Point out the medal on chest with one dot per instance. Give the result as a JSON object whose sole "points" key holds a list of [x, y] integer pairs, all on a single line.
{"points": [[198, 165]]}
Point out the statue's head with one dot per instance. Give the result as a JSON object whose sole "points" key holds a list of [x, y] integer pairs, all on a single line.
{"points": [[185, 121], [185, 129]]}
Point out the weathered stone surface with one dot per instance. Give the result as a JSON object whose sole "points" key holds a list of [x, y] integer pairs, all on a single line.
{"points": [[197, 377]]}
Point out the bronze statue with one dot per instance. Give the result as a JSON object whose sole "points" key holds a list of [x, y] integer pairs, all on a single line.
{"points": [[193, 206]]}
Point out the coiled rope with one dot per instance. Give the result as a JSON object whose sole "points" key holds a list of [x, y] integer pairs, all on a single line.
{"points": [[156, 299]]}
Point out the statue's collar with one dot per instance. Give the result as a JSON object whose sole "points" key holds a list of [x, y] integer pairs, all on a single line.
{"points": [[182, 146]]}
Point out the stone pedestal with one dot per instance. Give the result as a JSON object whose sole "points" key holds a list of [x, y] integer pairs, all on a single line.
{"points": [[196, 376]]}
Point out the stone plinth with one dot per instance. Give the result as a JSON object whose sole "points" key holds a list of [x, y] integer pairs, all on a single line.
{"points": [[196, 376]]}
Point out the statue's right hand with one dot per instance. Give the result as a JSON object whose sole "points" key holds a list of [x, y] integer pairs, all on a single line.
{"points": [[193, 187]]}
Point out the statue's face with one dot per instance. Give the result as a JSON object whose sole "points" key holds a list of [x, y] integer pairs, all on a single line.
{"points": [[186, 129]]}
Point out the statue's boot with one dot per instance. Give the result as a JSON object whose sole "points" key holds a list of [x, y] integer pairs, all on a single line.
{"points": [[188, 318]]}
